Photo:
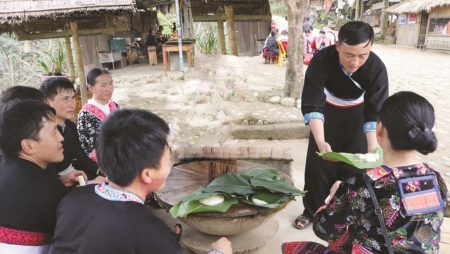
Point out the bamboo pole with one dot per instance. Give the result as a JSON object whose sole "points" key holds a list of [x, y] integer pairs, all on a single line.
{"points": [[231, 31], [70, 58], [79, 59], [221, 32]]}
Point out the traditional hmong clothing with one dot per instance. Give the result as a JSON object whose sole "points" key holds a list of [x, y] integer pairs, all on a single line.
{"points": [[349, 105], [89, 119], [103, 219], [353, 208], [74, 155], [29, 198]]}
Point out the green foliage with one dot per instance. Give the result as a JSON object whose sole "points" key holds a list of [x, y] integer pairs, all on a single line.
{"points": [[207, 38], [17, 62], [262, 184], [53, 62], [277, 7], [166, 21], [351, 159]]}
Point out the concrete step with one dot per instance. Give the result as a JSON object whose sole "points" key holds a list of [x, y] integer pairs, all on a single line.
{"points": [[280, 131]]}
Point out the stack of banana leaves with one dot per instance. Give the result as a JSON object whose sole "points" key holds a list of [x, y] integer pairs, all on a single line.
{"points": [[258, 187]]}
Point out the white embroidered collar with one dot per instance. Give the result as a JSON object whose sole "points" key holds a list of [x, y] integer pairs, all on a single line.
{"points": [[110, 193]]}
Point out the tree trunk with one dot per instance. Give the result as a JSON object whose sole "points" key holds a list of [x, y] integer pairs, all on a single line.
{"points": [[384, 19], [294, 71]]}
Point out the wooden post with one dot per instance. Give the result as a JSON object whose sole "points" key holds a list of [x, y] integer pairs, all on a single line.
{"points": [[79, 59], [357, 10], [231, 30], [220, 30], [70, 58]]}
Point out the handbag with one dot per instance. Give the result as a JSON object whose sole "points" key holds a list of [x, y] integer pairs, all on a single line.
{"points": [[379, 213]]}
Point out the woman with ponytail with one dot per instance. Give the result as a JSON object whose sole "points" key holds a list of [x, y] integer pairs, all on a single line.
{"points": [[395, 208]]}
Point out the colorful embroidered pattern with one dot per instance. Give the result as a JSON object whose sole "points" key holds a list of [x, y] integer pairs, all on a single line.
{"points": [[21, 237], [110, 193], [352, 208]]}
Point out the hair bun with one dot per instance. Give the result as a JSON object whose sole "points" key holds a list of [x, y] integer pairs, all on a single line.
{"points": [[425, 142]]}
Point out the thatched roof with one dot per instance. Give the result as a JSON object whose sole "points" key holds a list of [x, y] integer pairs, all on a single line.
{"points": [[416, 6], [241, 7], [18, 11]]}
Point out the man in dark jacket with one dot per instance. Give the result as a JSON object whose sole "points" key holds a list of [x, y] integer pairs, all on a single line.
{"points": [[60, 95]]}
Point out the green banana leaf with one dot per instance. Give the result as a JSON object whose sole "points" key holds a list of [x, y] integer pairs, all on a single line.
{"points": [[261, 173], [276, 186], [198, 194], [273, 200], [182, 209], [230, 183], [351, 159]]}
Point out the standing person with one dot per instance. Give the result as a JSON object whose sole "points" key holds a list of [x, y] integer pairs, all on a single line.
{"points": [[133, 151], [307, 26], [60, 95], [93, 113], [29, 141], [345, 85], [404, 128]]}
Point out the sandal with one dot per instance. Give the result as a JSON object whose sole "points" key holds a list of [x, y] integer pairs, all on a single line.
{"points": [[305, 221], [178, 230]]}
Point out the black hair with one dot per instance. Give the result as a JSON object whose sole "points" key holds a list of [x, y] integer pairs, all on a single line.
{"points": [[408, 119], [150, 31], [308, 18], [273, 33], [93, 75], [129, 141], [22, 93], [19, 120], [356, 32], [51, 87]]}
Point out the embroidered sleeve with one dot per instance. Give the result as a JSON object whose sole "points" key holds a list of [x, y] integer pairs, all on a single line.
{"points": [[86, 131], [313, 115], [370, 126], [331, 222]]}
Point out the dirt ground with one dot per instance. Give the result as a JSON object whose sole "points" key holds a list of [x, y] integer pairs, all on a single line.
{"points": [[203, 105]]}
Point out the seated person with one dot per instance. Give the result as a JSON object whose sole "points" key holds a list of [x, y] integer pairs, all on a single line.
{"points": [[22, 93], [60, 95], [283, 38], [271, 48], [25, 92], [349, 222], [159, 35], [29, 141], [151, 41], [133, 152]]}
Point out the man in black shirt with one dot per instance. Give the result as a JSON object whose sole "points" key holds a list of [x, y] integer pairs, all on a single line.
{"points": [[133, 152], [345, 86], [60, 95], [29, 141]]}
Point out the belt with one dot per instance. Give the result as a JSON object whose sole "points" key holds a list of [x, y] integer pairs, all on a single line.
{"points": [[22, 237]]}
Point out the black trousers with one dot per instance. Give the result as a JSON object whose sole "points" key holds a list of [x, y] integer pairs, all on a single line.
{"points": [[343, 129]]}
